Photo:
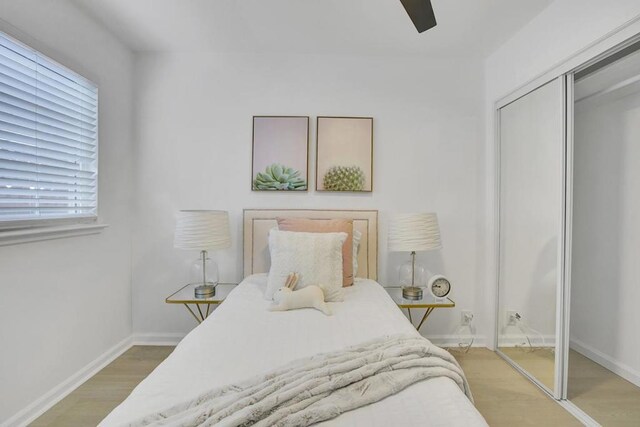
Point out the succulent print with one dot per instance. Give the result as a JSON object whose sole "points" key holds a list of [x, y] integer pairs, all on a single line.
{"points": [[344, 178], [279, 177]]}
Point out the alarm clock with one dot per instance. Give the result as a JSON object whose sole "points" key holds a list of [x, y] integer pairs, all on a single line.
{"points": [[439, 286]]}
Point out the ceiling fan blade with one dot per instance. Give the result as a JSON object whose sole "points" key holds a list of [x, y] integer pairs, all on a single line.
{"points": [[421, 13]]}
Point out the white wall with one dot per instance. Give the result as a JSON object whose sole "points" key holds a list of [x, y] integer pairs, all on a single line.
{"points": [[606, 233], [63, 303], [561, 30], [194, 119]]}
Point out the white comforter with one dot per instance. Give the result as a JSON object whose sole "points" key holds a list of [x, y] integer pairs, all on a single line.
{"points": [[242, 339]]}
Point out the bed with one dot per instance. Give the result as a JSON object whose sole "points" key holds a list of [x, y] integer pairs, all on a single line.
{"points": [[242, 339]]}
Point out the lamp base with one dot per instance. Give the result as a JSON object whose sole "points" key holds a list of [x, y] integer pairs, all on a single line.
{"points": [[205, 291], [412, 293]]}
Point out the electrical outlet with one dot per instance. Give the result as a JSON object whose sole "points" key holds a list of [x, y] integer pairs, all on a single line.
{"points": [[466, 316], [512, 316]]}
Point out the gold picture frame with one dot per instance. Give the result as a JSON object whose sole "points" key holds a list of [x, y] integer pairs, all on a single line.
{"points": [[344, 154], [280, 153]]}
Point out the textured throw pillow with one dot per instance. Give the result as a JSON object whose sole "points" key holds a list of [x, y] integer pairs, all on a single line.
{"points": [[316, 257], [327, 226], [356, 249]]}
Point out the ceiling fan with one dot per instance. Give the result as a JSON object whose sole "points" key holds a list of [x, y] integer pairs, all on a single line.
{"points": [[421, 13]]}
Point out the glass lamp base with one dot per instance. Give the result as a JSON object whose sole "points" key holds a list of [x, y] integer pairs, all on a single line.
{"points": [[210, 275], [411, 275], [412, 293]]}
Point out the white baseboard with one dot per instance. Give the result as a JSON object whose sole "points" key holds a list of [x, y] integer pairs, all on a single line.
{"points": [[454, 340], [171, 338], [625, 371], [59, 392], [513, 340]]}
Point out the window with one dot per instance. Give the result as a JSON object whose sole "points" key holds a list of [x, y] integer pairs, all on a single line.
{"points": [[48, 139]]}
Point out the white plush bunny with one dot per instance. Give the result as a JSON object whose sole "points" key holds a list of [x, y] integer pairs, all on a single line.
{"points": [[286, 298]]}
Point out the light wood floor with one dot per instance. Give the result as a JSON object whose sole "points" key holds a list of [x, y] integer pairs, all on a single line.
{"points": [[502, 395], [540, 363], [92, 401], [506, 398], [606, 397]]}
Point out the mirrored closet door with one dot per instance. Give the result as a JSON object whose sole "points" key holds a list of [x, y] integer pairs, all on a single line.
{"points": [[604, 345], [531, 207], [569, 237]]}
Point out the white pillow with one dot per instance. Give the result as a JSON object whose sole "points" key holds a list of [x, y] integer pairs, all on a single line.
{"points": [[317, 257], [356, 249]]}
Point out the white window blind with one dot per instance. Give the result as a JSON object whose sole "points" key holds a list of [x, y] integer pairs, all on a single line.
{"points": [[48, 138]]}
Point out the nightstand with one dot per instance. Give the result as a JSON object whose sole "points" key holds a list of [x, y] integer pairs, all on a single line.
{"points": [[186, 296], [428, 302]]}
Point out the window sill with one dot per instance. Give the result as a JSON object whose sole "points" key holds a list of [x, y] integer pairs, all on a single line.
{"points": [[15, 237]]}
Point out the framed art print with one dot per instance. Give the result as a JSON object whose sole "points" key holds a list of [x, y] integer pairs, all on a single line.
{"points": [[344, 154], [280, 153]]}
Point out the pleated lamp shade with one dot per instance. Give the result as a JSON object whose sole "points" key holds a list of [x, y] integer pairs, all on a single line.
{"points": [[414, 232], [202, 230]]}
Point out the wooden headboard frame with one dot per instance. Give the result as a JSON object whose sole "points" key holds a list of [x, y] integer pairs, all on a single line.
{"points": [[258, 222]]}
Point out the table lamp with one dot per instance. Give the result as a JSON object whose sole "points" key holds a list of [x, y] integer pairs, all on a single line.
{"points": [[201, 230], [412, 233]]}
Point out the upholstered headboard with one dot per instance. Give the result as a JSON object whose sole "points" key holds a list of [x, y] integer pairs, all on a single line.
{"points": [[258, 222]]}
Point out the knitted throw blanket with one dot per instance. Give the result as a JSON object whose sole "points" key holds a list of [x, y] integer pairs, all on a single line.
{"points": [[317, 388]]}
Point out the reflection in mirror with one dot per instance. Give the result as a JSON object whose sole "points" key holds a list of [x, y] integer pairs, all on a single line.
{"points": [[604, 356], [531, 183]]}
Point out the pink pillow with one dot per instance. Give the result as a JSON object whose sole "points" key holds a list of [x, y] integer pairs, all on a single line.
{"points": [[327, 226]]}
